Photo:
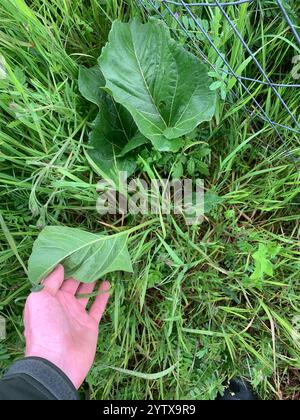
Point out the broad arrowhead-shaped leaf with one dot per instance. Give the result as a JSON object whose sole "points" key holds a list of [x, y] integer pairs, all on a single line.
{"points": [[112, 129], [85, 256], [165, 88]]}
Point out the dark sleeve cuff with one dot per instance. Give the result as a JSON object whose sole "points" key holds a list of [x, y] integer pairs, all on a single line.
{"points": [[45, 373]]}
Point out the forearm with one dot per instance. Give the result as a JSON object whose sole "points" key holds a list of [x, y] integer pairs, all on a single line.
{"points": [[34, 378]]}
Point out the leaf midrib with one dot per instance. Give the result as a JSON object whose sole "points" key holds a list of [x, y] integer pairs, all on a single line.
{"points": [[146, 85]]}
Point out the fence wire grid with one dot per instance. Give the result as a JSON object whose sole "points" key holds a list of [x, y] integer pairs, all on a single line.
{"points": [[193, 20]]}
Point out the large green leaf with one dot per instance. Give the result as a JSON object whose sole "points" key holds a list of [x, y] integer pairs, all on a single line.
{"points": [[112, 129], [85, 256], [165, 88]]}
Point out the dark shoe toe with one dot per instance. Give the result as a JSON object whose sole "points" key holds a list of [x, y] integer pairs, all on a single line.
{"points": [[238, 390]]}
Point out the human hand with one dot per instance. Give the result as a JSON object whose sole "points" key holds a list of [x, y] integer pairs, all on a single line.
{"points": [[58, 327]]}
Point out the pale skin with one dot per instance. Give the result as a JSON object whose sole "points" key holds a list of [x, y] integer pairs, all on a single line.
{"points": [[60, 329]]}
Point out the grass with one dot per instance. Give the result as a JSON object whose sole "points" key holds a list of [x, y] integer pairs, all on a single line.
{"points": [[191, 305]]}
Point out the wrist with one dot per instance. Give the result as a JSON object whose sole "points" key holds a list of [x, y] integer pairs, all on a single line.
{"points": [[56, 358], [75, 371]]}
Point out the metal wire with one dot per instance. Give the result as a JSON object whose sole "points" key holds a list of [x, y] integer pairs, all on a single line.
{"points": [[286, 16], [269, 81], [230, 3], [164, 8]]}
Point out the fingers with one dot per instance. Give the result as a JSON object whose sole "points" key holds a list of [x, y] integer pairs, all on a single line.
{"points": [[70, 286], [99, 305], [85, 289], [53, 282]]}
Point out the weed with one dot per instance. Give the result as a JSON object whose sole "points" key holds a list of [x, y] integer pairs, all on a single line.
{"points": [[192, 305]]}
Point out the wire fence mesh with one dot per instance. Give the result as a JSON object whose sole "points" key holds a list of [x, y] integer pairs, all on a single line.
{"points": [[246, 74]]}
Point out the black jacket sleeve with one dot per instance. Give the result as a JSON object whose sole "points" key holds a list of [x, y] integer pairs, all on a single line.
{"points": [[34, 378]]}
